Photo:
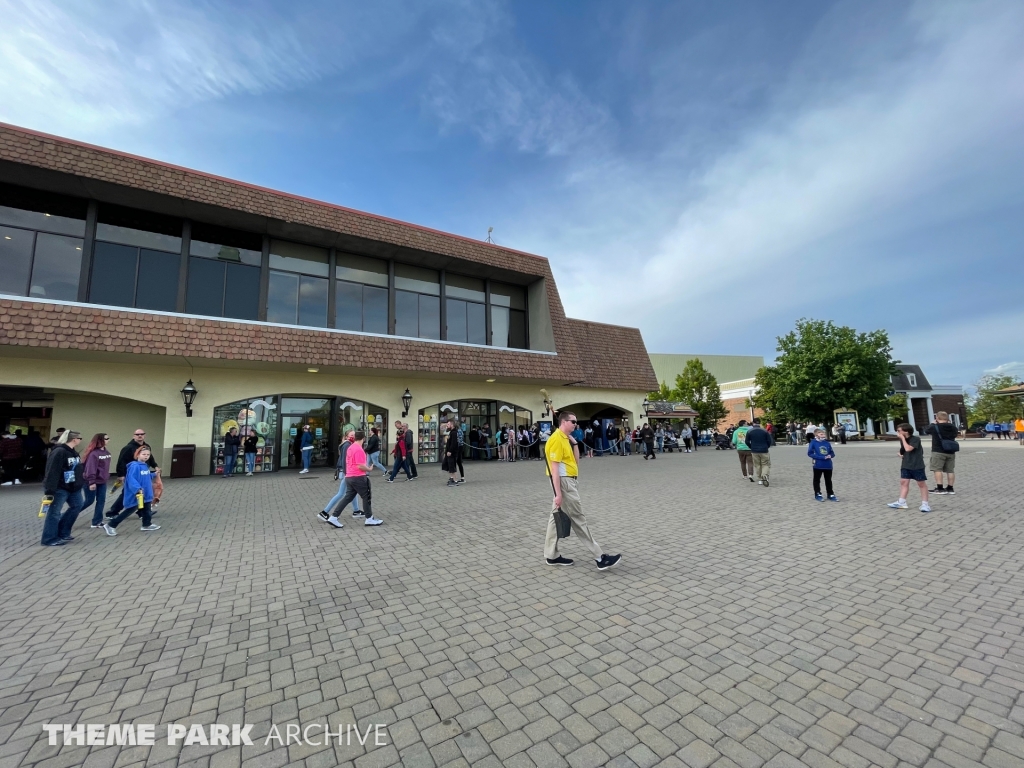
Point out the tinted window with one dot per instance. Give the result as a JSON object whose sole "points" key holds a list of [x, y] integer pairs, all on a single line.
{"points": [[15, 260], [461, 287], [456, 317], [205, 287], [45, 222], [517, 329], [407, 314], [375, 310], [212, 242], [158, 280], [504, 295], [499, 326], [283, 298], [113, 275], [417, 279], [348, 306], [293, 257], [56, 267], [129, 226], [360, 269], [242, 295], [430, 317], [476, 323], [44, 211], [313, 301]]}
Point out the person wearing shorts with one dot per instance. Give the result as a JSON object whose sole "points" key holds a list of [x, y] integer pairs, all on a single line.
{"points": [[911, 468], [942, 461]]}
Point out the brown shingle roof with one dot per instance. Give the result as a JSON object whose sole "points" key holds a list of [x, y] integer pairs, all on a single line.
{"points": [[612, 356]]}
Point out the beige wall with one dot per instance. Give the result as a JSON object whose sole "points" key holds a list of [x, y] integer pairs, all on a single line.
{"points": [[116, 416], [159, 386]]}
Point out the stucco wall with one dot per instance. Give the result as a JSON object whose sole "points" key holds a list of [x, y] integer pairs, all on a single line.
{"points": [[116, 416]]}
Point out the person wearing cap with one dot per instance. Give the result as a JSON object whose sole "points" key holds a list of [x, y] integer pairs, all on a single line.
{"points": [[126, 457], [63, 481]]}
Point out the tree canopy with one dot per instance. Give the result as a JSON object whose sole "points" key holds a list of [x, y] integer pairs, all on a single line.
{"points": [[697, 386], [823, 367], [985, 405]]}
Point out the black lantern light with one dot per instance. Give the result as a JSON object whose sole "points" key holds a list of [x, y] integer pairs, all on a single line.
{"points": [[188, 395], [646, 405], [407, 402]]}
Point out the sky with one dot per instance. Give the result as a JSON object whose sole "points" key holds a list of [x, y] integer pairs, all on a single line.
{"points": [[708, 172]]}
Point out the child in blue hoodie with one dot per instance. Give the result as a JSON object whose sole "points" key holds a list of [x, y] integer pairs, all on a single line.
{"points": [[821, 453], [138, 493]]}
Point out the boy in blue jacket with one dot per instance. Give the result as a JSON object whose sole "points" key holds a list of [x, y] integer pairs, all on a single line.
{"points": [[137, 481], [821, 453]]}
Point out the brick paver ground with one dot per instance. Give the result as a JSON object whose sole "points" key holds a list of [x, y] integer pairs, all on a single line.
{"points": [[745, 625]]}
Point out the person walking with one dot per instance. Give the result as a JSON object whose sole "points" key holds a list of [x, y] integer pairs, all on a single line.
{"points": [[357, 482], [759, 441], [452, 454], [841, 431], [944, 448], [991, 430], [138, 493], [305, 448], [409, 463], [399, 452], [1018, 425], [647, 437], [339, 474], [911, 468], [97, 471], [659, 439], [742, 449], [63, 481], [821, 454], [373, 450], [232, 444], [687, 435], [249, 449], [12, 457], [126, 457], [562, 454]]}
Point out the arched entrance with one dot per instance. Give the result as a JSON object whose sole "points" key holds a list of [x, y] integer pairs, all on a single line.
{"points": [[480, 416], [605, 414]]}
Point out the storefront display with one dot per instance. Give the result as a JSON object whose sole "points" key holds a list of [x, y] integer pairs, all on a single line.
{"points": [[257, 416], [469, 414]]}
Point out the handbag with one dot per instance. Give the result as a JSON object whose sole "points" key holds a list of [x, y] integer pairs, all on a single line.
{"points": [[948, 446], [563, 525]]}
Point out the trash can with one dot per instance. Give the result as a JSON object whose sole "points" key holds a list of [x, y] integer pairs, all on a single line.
{"points": [[183, 458]]}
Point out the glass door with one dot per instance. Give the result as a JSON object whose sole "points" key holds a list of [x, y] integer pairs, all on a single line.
{"points": [[296, 413]]}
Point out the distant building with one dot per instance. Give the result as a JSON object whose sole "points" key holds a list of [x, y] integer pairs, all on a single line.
{"points": [[734, 374], [925, 398]]}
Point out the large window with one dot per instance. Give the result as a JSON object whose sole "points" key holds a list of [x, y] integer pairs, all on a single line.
{"points": [[40, 243], [508, 316], [361, 294], [298, 284], [465, 310], [136, 260], [224, 273], [417, 302]]}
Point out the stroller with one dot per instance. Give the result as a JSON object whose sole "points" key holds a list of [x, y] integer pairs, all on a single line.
{"points": [[722, 443]]}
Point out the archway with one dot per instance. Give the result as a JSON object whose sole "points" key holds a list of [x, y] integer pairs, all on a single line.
{"points": [[606, 416]]}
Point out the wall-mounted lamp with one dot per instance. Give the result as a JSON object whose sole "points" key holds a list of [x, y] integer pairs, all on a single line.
{"points": [[188, 396], [407, 402]]}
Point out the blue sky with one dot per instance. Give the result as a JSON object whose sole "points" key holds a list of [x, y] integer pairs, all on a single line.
{"points": [[709, 172]]}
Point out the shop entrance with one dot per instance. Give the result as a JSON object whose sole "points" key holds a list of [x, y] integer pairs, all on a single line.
{"points": [[296, 413], [470, 415]]}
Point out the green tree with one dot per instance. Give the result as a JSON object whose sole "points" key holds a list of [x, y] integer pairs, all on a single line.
{"points": [[699, 389], [986, 406], [662, 394], [766, 397], [822, 367]]}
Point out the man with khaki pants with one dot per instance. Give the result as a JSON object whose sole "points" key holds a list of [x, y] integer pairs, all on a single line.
{"points": [[562, 453], [759, 441]]}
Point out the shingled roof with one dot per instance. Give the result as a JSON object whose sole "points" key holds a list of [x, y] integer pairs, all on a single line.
{"points": [[612, 356]]}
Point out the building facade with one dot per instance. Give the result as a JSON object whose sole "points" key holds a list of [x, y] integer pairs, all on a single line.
{"points": [[925, 398], [121, 278], [734, 374]]}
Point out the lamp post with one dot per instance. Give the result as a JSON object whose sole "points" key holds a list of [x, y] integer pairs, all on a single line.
{"points": [[407, 402], [188, 396]]}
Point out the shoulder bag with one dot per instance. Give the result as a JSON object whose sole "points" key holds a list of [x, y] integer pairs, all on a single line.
{"points": [[563, 525]]}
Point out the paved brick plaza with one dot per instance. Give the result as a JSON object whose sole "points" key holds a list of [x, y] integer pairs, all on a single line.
{"points": [[745, 626]]}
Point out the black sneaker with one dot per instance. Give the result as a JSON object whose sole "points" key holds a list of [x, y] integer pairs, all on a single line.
{"points": [[460, 481], [323, 515], [57, 543], [559, 561], [450, 483], [68, 538], [950, 491], [357, 513], [938, 491], [751, 478], [766, 482], [608, 561]]}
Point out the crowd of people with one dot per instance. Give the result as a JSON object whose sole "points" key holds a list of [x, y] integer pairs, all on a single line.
{"points": [[1005, 430]]}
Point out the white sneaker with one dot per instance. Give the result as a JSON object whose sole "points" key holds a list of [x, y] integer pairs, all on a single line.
{"points": [[332, 520], [760, 482], [303, 471], [373, 521], [150, 528], [7, 483], [926, 507], [110, 531], [17, 481], [901, 504], [248, 474]]}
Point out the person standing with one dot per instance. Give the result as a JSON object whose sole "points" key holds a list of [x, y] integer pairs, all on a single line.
{"points": [[373, 450], [409, 463], [990, 430], [742, 449], [138, 493], [452, 454], [841, 430], [358, 482], [97, 471], [232, 444], [647, 437], [12, 457], [942, 459], [1019, 426], [687, 435], [126, 457], [305, 448], [485, 441], [63, 481], [249, 448], [821, 454], [326, 513], [911, 468], [562, 455], [759, 441], [474, 443]]}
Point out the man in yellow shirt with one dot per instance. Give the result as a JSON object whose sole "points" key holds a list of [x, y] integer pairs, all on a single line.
{"points": [[562, 455], [1018, 425]]}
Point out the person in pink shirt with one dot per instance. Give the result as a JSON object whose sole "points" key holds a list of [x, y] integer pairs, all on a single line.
{"points": [[356, 480]]}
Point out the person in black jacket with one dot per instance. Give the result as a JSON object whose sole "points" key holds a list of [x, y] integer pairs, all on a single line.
{"points": [[63, 481], [126, 457], [452, 455], [373, 450], [249, 447], [647, 437], [942, 461], [408, 452], [759, 441], [232, 442]]}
